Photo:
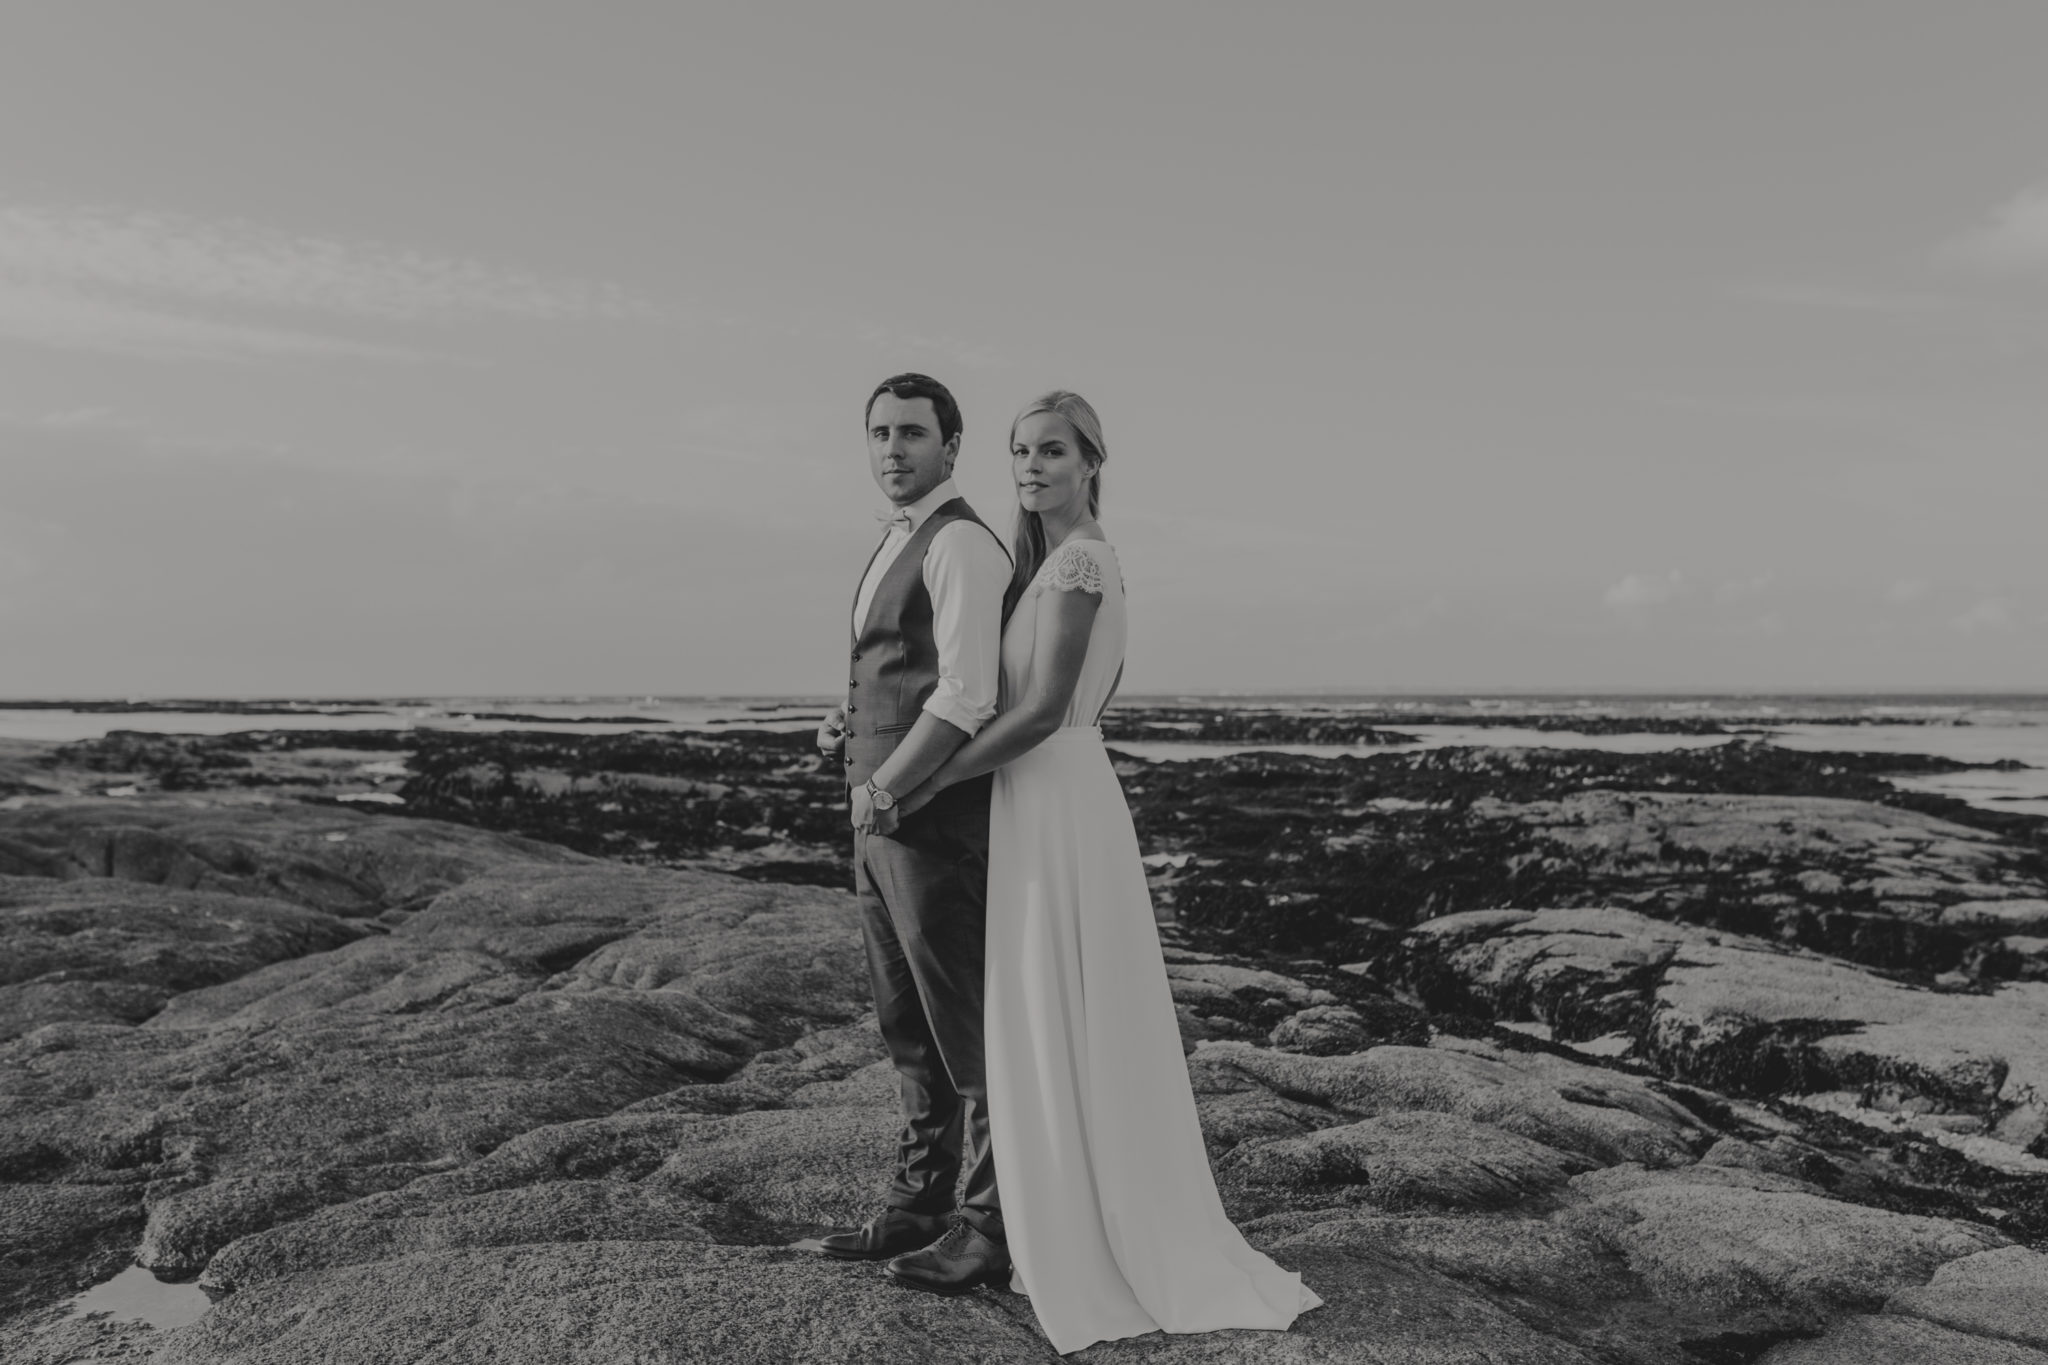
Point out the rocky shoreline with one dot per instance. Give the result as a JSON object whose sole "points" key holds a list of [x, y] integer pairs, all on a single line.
{"points": [[525, 1046]]}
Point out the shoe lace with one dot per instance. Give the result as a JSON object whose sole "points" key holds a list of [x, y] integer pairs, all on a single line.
{"points": [[957, 1231]]}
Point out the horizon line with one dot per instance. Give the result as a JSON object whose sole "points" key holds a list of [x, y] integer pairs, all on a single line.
{"points": [[1604, 690]]}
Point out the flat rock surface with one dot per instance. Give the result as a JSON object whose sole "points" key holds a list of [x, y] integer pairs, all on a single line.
{"points": [[1865, 1340], [119, 952], [433, 1092], [2000, 1293], [324, 857]]}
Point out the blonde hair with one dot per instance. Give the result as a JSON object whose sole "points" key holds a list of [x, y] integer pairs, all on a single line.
{"points": [[1028, 545]]}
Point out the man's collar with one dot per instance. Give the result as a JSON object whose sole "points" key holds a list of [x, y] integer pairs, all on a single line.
{"points": [[931, 502]]}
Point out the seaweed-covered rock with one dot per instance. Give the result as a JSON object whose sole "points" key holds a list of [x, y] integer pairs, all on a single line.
{"points": [[1738, 1014]]}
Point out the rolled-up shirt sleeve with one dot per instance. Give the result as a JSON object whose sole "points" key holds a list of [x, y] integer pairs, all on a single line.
{"points": [[966, 571]]}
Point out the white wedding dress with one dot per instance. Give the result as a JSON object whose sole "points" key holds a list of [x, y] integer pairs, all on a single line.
{"points": [[1111, 1212]]}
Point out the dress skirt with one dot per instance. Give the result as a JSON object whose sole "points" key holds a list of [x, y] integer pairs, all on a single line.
{"points": [[1111, 1212]]}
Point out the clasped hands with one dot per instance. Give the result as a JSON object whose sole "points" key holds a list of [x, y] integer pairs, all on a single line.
{"points": [[866, 819]]}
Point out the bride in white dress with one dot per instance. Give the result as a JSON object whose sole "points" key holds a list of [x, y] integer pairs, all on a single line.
{"points": [[1112, 1217]]}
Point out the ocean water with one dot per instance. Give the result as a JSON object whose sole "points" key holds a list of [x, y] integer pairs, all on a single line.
{"points": [[1975, 728], [439, 713], [2011, 728]]}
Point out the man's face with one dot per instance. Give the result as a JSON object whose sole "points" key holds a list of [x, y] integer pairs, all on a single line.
{"points": [[904, 450]]}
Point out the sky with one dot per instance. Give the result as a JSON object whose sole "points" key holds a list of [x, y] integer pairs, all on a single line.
{"points": [[503, 348]]}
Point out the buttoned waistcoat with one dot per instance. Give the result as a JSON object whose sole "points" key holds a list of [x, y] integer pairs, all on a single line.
{"points": [[894, 667]]}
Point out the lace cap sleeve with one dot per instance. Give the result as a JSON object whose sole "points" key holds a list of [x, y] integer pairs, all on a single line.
{"points": [[1074, 569]]}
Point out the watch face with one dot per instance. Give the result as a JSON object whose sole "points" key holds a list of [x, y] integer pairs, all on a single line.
{"points": [[883, 800]]}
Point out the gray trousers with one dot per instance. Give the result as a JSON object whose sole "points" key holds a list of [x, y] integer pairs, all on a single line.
{"points": [[923, 898]]}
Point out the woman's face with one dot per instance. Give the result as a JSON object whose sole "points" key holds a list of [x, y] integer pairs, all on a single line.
{"points": [[1046, 462]]}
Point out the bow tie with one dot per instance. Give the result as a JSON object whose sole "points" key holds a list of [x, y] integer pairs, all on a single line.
{"points": [[895, 518]]}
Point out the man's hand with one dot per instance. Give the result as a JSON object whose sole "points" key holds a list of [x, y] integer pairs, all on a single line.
{"points": [[885, 821], [863, 809], [832, 733]]}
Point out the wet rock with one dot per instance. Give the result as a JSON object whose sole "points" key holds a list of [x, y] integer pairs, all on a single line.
{"points": [[56, 1239], [1242, 725], [1196, 1029], [76, 1339], [824, 1055], [1533, 1257], [1323, 1031], [2018, 915], [1232, 1117], [1592, 1112], [1545, 1273], [1778, 1155], [1808, 1256], [1295, 853], [600, 1302], [1632, 1176], [118, 952], [325, 858], [311, 1081], [2002, 1294], [1736, 1014], [403, 1223], [1405, 1160], [569, 1110], [1864, 1340], [1213, 984], [187, 1226], [751, 802], [1378, 1310]]}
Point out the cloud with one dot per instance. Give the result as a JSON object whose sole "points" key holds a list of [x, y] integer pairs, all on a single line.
{"points": [[1736, 589], [164, 285], [1847, 299], [1993, 613], [83, 419], [1416, 615], [66, 321], [237, 262], [968, 354], [1639, 591], [1908, 590], [2016, 238]]}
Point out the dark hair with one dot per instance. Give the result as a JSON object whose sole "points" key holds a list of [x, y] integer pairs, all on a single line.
{"points": [[907, 386], [1029, 547]]}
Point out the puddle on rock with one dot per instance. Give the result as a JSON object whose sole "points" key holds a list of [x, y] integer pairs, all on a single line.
{"points": [[135, 1295]]}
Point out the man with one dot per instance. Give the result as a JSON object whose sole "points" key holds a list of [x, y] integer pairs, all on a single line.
{"points": [[925, 639]]}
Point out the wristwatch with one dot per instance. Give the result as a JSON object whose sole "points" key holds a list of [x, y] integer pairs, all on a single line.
{"points": [[881, 799]]}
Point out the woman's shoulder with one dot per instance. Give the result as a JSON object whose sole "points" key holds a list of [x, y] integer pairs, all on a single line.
{"points": [[1083, 565]]}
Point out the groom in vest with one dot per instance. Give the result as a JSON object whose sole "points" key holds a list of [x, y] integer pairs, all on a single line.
{"points": [[923, 650]]}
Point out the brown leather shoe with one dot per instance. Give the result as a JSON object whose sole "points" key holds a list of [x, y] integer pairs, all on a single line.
{"points": [[957, 1262], [889, 1233]]}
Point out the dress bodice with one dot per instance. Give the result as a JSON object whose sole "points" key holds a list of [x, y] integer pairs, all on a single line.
{"points": [[1077, 566]]}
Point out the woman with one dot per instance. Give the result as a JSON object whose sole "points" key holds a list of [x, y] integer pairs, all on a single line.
{"points": [[1113, 1220]]}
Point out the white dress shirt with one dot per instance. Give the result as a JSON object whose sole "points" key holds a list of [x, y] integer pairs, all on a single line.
{"points": [[966, 573]]}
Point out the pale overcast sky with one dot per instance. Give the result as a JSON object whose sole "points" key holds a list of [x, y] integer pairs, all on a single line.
{"points": [[507, 348]]}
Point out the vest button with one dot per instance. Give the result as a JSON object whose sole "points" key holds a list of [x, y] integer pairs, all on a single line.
{"points": [[848, 760], [853, 682], [856, 656], [851, 708]]}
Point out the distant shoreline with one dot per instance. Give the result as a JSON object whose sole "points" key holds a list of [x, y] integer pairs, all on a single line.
{"points": [[1474, 697]]}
